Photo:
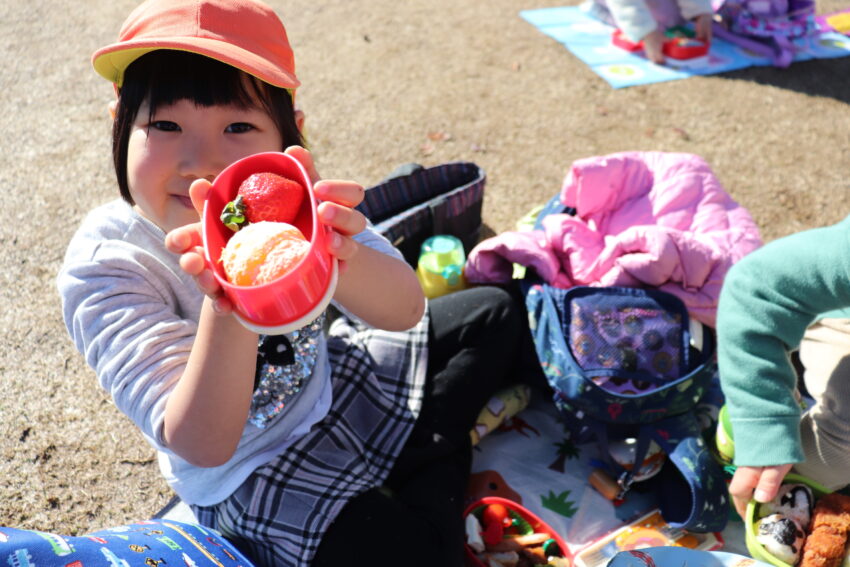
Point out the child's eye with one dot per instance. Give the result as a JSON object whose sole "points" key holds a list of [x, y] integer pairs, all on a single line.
{"points": [[165, 126], [239, 128]]}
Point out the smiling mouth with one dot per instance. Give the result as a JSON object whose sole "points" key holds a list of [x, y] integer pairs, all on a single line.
{"points": [[185, 201]]}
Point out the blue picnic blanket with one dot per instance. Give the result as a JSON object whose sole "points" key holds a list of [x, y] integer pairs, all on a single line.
{"points": [[141, 544], [590, 40]]}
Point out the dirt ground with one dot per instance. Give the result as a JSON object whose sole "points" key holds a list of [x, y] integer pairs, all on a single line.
{"points": [[385, 82]]}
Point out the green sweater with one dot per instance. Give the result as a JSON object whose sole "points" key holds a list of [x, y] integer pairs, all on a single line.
{"points": [[767, 301]]}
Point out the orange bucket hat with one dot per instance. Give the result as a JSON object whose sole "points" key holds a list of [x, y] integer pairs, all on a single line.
{"points": [[246, 34]]}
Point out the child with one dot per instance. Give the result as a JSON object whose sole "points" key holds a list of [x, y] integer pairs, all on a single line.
{"points": [[786, 295], [648, 20], [348, 446]]}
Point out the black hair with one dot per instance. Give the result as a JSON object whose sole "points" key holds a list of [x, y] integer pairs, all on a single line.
{"points": [[164, 77]]}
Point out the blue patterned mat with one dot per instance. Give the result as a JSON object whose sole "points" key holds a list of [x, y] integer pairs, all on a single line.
{"points": [[590, 41]]}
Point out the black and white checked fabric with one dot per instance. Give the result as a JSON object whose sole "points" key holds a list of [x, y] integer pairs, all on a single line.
{"points": [[279, 514]]}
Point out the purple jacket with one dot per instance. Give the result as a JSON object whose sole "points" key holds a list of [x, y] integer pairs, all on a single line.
{"points": [[643, 219]]}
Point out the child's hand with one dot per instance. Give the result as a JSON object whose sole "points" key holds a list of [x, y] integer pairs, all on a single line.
{"points": [[379, 288], [337, 207], [761, 483], [336, 210], [188, 241], [653, 45], [702, 25]]}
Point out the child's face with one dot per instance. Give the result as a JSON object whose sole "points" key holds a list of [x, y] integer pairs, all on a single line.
{"points": [[183, 142]]}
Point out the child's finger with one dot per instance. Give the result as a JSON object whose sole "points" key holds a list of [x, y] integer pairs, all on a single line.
{"points": [[222, 305], [207, 283], [305, 158], [342, 247], [742, 485], [343, 219], [193, 263], [769, 482], [198, 191], [346, 193], [184, 238]]}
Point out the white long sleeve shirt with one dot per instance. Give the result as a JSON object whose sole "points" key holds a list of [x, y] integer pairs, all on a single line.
{"points": [[133, 313]]}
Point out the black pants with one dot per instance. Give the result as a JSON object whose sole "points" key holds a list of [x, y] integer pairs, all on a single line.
{"points": [[478, 344]]}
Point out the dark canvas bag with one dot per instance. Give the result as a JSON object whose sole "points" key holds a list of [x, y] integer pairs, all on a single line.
{"points": [[444, 199]]}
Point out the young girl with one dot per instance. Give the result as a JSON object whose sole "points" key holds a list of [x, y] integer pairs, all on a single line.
{"points": [[344, 447]]}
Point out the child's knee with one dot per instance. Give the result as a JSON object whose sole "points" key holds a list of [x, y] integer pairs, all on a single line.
{"points": [[826, 444], [505, 304]]}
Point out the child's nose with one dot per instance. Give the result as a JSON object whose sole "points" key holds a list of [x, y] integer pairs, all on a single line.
{"points": [[201, 159]]}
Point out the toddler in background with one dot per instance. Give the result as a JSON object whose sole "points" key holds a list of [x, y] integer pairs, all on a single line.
{"points": [[648, 20], [793, 293]]}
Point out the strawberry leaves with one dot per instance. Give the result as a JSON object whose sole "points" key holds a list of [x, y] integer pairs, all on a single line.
{"points": [[233, 216]]}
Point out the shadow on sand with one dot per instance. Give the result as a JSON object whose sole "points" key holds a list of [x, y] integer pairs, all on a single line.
{"points": [[817, 77]]}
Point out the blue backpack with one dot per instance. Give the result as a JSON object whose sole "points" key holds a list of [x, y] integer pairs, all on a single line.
{"points": [[623, 364]]}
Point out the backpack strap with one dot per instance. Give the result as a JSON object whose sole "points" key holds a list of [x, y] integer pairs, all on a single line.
{"points": [[753, 45], [549, 343], [624, 477], [784, 51], [690, 487]]}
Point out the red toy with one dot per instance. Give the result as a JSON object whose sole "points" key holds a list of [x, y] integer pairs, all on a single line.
{"points": [[685, 48], [680, 44], [519, 529], [494, 519]]}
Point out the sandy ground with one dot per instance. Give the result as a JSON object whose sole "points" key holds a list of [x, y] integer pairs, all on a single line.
{"points": [[385, 82]]}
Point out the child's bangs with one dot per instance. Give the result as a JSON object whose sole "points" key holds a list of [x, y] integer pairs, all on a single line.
{"points": [[172, 76], [164, 77]]}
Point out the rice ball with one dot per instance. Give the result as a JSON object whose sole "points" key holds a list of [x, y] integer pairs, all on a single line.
{"points": [[782, 537], [794, 501]]}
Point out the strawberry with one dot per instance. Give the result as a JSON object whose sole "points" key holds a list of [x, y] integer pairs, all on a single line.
{"points": [[493, 533], [496, 514], [264, 197]]}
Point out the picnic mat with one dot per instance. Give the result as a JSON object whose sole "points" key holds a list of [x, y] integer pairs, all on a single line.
{"points": [[590, 40], [531, 460]]}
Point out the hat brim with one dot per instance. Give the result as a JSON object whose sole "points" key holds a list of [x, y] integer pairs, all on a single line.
{"points": [[111, 61]]}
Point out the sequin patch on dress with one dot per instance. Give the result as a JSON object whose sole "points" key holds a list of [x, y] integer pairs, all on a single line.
{"points": [[284, 364]]}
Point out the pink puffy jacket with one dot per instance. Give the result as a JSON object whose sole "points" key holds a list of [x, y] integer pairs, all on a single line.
{"points": [[643, 219]]}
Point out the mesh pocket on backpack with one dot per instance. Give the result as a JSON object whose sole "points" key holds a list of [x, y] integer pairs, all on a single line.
{"points": [[635, 346]]}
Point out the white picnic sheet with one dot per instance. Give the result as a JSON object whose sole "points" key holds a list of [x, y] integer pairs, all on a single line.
{"points": [[531, 460]]}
